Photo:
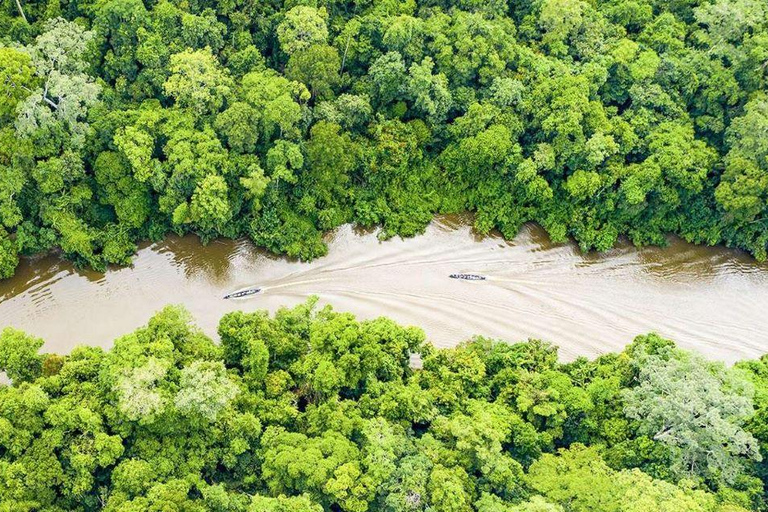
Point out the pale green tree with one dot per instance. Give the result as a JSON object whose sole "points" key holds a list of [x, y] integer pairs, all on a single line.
{"points": [[139, 397], [65, 92], [302, 27], [698, 409], [204, 390]]}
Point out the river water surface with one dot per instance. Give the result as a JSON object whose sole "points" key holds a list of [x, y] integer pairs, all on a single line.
{"points": [[710, 299]]}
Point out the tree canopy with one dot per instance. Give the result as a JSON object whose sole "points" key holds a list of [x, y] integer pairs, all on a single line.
{"points": [[312, 410], [124, 120]]}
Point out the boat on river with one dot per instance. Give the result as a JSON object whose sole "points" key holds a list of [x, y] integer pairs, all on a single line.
{"points": [[468, 277], [242, 293]]}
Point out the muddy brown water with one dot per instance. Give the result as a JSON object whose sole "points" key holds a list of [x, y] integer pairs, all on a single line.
{"points": [[709, 299]]}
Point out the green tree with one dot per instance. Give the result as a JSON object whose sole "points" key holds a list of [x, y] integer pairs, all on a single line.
{"points": [[18, 80], [332, 157], [9, 256], [302, 27], [197, 81], [579, 480], [19, 357], [316, 66], [210, 207], [284, 504], [278, 101], [743, 190]]}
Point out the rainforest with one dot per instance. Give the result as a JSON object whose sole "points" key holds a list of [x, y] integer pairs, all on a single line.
{"points": [[126, 120], [311, 410], [129, 124]]}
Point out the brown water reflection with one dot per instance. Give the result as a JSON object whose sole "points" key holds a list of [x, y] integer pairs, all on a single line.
{"points": [[707, 298]]}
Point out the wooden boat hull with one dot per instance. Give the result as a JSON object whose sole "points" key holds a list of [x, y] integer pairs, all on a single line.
{"points": [[468, 277], [242, 293]]}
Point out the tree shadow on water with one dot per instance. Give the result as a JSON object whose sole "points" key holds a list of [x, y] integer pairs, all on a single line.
{"points": [[218, 261]]}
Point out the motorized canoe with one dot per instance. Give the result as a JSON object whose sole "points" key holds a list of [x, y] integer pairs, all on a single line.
{"points": [[242, 293], [468, 277]]}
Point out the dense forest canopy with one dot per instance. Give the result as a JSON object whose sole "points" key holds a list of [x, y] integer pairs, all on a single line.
{"points": [[122, 120], [311, 410]]}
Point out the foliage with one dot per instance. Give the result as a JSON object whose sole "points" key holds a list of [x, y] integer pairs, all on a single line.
{"points": [[311, 410], [122, 120], [697, 408]]}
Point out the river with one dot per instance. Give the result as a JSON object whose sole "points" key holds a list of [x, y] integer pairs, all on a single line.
{"points": [[709, 299]]}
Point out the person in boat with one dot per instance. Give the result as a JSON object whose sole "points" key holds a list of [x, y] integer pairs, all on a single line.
{"points": [[242, 293], [468, 277]]}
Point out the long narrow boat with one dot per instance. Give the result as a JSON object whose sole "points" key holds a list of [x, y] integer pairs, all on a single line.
{"points": [[468, 277], [242, 293]]}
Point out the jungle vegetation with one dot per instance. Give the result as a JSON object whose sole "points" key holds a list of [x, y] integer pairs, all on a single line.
{"points": [[310, 410], [124, 120]]}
